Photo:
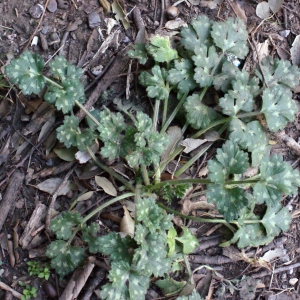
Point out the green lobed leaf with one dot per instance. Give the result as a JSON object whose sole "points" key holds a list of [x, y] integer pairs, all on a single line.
{"points": [[118, 248], [279, 72], [229, 202], [236, 100], [193, 296], [64, 97], [160, 48], [188, 240], [197, 33], [229, 160], [277, 178], [278, 107], [26, 72], [156, 83], [276, 219], [70, 134], [61, 68], [231, 37], [89, 236], [198, 114], [151, 255], [122, 275], [139, 51], [172, 233], [143, 125], [182, 75], [152, 216], [64, 258], [62, 226], [170, 286], [206, 60]]}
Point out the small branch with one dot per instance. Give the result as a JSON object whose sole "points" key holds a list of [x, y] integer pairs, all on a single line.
{"points": [[155, 115]]}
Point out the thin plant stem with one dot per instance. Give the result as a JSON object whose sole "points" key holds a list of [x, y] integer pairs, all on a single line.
{"points": [[192, 160], [166, 102], [145, 175], [155, 115], [87, 113], [249, 114], [108, 203], [110, 171], [53, 82], [173, 114]]}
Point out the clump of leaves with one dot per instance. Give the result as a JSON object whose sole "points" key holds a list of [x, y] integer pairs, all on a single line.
{"points": [[28, 291], [36, 269], [203, 60]]}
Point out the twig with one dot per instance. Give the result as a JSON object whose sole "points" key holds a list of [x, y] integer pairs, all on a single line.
{"points": [[162, 13], [36, 28], [279, 270], [5, 287]]}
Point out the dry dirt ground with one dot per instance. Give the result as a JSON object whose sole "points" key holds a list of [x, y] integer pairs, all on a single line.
{"points": [[25, 159]]}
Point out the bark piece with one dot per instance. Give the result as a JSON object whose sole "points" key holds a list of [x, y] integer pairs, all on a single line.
{"points": [[10, 195], [34, 223]]}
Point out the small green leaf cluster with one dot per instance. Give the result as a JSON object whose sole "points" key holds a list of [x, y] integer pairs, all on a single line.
{"points": [[28, 292], [134, 259], [36, 269]]}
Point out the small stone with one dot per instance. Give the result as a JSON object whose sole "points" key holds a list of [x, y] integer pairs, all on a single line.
{"points": [[36, 11], [45, 30], [52, 6], [293, 281], [94, 20], [63, 4]]}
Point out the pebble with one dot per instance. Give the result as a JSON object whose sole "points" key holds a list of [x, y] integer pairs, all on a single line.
{"points": [[52, 6], [63, 4], [36, 11], [44, 43], [45, 30], [94, 20], [293, 281]]}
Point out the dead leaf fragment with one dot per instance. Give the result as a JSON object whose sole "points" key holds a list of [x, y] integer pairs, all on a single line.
{"points": [[275, 5], [106, 185], [263, 10], [174, 133], [85, 196], [106, 6], [239, 11], [191, 144], [127, 223], [50, 186], [295, 51], [175, 24], [209, 4], [120, 15], [273, 254]]}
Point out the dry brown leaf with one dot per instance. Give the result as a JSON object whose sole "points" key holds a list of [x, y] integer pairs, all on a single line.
{"points": [[295, 51], [106, 185], [50, 186], [174, 134], [263, 10], [191, 144], [209, 4], [175, 24], [189, 206], [239, 11], [127, 223], [85, 196]]}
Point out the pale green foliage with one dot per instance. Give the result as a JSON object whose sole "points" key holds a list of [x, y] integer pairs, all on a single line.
{"points": [[199, 115], [193, 296], [89, 235], [156, 83], [278, 107], [206, 60], [229, 160], [277, 178], [139, 51], [62, 226], [231, 36], [276, 218], [188, 240], [26, 72], [70, 135], [279, 72], [182, 75], [64, 257], [160, 48], [197, 33]]}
